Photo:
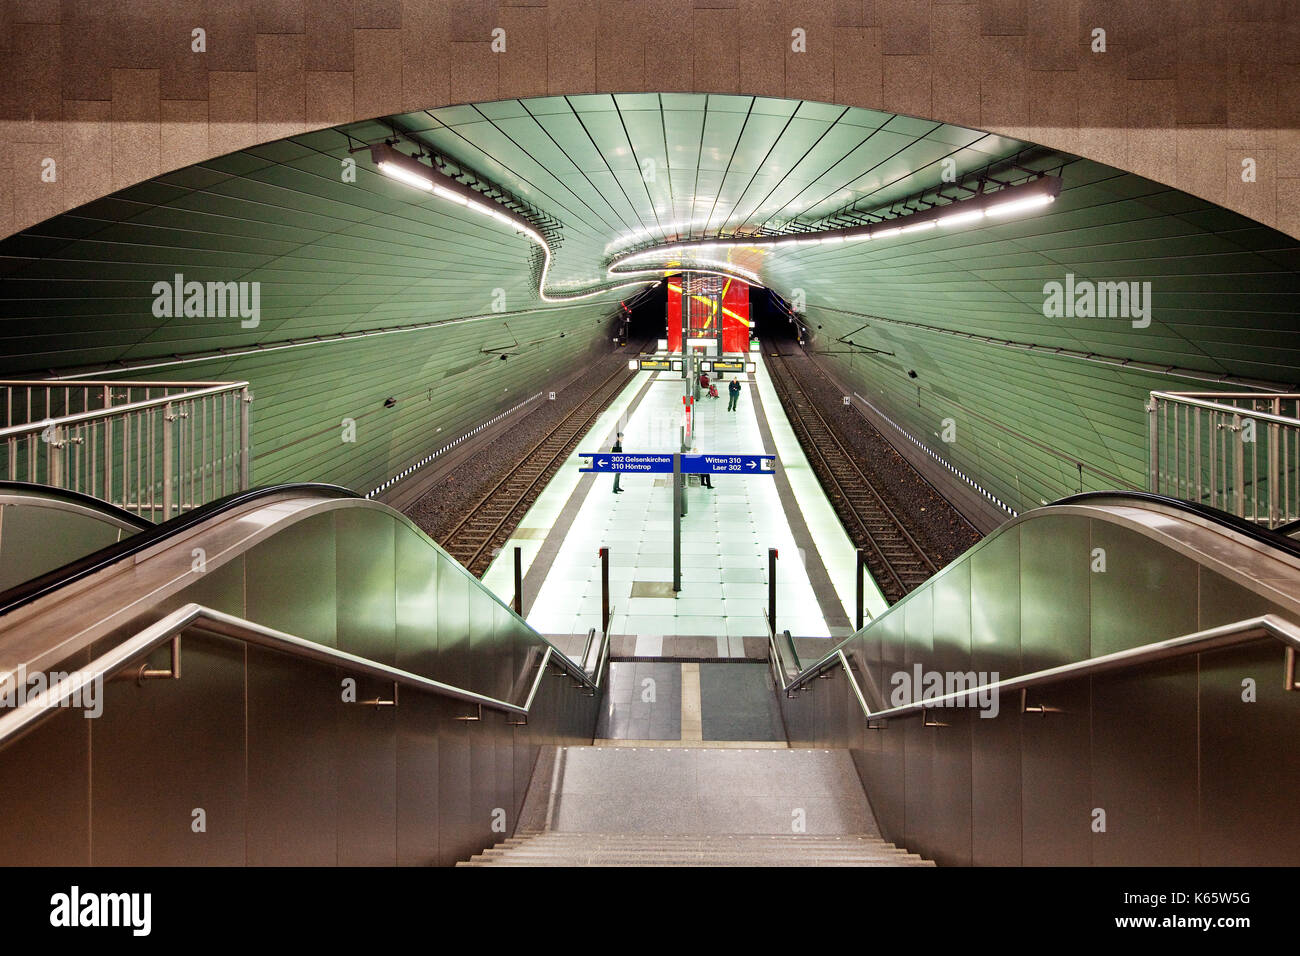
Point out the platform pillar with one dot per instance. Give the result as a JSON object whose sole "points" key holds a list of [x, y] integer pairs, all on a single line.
{"points": [[771, 589], [678, 498], [519, 581]]}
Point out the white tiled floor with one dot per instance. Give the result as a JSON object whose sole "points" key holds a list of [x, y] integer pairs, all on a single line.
{"points": [[725, 535]]}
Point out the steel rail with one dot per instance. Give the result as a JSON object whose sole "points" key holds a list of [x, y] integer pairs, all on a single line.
{"points": [[1196, 399], [1225, 635], [844, 492], [114, 411], [205, 619], [517, 472]]}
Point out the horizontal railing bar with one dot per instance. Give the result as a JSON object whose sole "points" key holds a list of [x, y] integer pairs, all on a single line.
{"points": [[114, 411], [1226, 635], [61, 383], [1230, 409], [226, 625], [1258, 396]]}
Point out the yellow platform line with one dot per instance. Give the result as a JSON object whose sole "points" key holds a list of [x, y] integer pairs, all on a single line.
{"points": [[692, 715]]}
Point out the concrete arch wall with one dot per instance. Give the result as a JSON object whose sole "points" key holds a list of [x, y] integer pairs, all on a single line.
{"points": [[114, 93]]}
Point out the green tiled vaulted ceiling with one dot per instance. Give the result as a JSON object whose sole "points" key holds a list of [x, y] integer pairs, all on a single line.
{"points": [[617, 171]]}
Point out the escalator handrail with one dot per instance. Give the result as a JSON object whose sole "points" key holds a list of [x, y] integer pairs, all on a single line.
{"points": [[34, 490], [1249, 529], [1215, 638], [29, 591], [205, 619]]}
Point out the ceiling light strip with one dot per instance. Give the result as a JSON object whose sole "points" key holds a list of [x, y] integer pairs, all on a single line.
{"points": [[1008, 201], [411, 172]]}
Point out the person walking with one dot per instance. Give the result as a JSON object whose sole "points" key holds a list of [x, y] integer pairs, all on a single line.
{"points": [[734, 390], [618, 447]]}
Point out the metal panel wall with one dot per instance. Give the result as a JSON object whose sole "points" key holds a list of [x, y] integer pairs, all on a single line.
{"points": [[1188, 761], [287, 766]]}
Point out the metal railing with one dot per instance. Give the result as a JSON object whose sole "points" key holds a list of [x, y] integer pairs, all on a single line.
{"points": [[781, 670], [1236, 451], [206, 620], [156, 449], [1225, 635]]}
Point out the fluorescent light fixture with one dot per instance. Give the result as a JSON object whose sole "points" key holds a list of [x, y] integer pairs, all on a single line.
{"points": [[449, 195], [1019, 205], [410, 171], [957, 218], [403, 168], [1006, 201]]}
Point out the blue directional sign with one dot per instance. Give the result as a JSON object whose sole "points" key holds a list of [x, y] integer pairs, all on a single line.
{"points": [[626, 462], [728, 464]]}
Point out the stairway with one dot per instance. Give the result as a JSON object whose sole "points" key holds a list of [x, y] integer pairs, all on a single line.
{"points": [[695, 806], [552, 848]]}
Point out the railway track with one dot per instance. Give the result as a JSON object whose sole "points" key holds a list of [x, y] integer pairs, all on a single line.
{"points": [[488, 525], [894, 558]]}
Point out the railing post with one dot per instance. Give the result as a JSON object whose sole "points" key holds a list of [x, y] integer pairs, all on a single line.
{"points": [[108, 445], [1274, 433], [519, 581], [861, 587], [53, 469], [245, 449], [1239, 462], [168, 422], [771, 589], [604, 591], [1153, 431]]}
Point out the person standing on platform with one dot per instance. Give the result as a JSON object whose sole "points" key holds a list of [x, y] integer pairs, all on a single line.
{"points": [[618, 447], [734, 390]]}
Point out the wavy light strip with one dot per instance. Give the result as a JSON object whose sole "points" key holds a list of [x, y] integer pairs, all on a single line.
{"points": [[410, 171], [1007, 201]]}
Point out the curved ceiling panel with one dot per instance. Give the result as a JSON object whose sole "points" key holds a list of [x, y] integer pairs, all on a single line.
{"points": [[338, 249]]}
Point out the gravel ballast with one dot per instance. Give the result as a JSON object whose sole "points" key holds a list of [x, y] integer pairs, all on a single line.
{"points": [[929, 517], [439, 510]]}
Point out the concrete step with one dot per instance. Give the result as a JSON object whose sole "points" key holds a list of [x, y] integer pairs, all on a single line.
{"points": [[699, 790], [551, 848], [695, 806]]}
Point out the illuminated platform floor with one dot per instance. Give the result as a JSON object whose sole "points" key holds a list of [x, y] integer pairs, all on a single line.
{"points": [[725, 535]]}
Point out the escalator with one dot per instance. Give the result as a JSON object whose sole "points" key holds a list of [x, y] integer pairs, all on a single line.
{"points": [[292, 675], [296, 675], [43, 528], [1109, 680]]}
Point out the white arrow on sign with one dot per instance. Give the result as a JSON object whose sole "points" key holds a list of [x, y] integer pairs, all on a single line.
{"points": [[601, 463], [749, 464]]}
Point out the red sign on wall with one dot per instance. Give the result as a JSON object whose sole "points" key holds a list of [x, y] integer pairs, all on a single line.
{"points": [[704, 315]]}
